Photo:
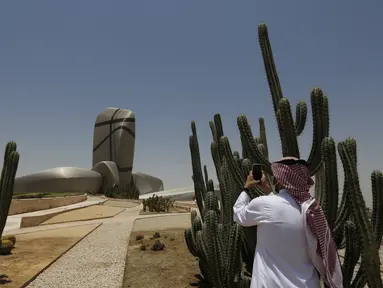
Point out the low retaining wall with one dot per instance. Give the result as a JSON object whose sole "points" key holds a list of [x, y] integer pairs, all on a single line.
{"points": [[182, 207], [19, 206]]}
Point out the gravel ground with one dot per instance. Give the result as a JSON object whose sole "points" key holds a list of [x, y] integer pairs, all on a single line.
{"points": [[98, 261]]}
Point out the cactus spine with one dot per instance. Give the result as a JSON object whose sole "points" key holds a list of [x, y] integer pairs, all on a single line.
{"points": [[222, 247]]}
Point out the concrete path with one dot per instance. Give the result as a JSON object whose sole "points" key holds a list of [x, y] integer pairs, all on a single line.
{"points": [[14, 221], [99, 259], [96, 261]]}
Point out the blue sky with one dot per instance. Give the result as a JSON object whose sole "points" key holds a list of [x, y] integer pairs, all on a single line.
{"points": [[63, 62]]}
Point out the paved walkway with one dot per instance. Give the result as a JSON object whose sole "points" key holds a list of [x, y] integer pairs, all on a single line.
{"points": [[99, 259], [96, 261], [14, 221]]}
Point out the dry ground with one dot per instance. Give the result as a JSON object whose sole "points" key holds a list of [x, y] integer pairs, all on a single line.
{"points": [[121, 203], [87, 213], [34, 251], [171, 210], [162, 222], [173, 267]]}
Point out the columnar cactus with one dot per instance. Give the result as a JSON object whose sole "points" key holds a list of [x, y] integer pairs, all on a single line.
{"points": [[222, 247], [11, 161], [8, 173]]}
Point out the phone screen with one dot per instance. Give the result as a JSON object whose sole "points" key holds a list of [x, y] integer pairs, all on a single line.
{"points": [[257, 172]]}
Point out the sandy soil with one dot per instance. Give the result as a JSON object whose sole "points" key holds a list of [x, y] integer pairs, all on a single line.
{"points": [[87, 213], [174, 267], [34, 251], [172, 210], [162, 222], [121, 203]]}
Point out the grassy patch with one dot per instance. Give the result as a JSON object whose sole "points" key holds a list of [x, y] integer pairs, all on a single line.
{"points": [[18, 195]]}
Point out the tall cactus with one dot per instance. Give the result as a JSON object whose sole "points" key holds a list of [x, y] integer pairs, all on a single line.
{"points": [[8, 173], [221, 246]]}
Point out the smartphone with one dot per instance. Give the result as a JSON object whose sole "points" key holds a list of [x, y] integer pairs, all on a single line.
{"points": [[257, 172]]}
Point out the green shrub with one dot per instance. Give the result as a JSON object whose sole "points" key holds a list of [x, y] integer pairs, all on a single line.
{"points": [[131, 191], [11, 238], [6, 247], [157, 204], [158, 246]]}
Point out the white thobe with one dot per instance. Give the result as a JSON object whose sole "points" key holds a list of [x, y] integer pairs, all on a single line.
{"points": [[281, 257]]}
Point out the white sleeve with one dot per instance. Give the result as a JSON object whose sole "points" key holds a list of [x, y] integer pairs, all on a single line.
{"points": [[249, 213]]}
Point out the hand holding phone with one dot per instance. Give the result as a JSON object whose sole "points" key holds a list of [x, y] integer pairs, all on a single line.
{"points": [[257, 172]]}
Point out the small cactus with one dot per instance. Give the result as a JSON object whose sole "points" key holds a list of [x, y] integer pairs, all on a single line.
{"points": [[11, 238], [6, 247], [158, 246], [157, 204], [139, 237], [131, 191]]}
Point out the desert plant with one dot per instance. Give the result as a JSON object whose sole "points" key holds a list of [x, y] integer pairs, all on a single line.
{"points": [[222, 247], [157, 204], [8, 173], [11, 238], [6, 247], [139, 237], [131, 191], [158, 246]]}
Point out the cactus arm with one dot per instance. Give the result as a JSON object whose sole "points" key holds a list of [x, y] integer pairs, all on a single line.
{"points": [[8, 174], [289, 128], [300, 117], [197, 173], [226, 199], [234, 256], [344, 212], [377, 185], [282, 135], [315, 157], [369, 254], [326, 117], [245, 131], [189, 242], [206, 176], [234, 169], [197, 167], [263, 137], [216, 159], [319, 185], [213, 131], [271, 70], [351, 254], [331, 180], [218, 125], [377, 207], [212, 247]]}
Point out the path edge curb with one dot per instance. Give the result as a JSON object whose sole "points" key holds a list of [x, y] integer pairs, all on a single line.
{"points": [[58, 257]]}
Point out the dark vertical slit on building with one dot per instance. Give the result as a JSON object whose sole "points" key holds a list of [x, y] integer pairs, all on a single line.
{"points": [[110, 136]]}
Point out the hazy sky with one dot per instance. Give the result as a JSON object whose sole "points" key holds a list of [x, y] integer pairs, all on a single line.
{"points": [[170, 62]]}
